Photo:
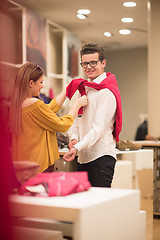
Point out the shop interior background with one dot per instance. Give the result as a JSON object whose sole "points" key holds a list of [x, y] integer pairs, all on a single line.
{"points": [[60, 36]]}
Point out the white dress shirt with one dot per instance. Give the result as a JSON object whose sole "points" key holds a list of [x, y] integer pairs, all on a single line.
{"points": [[94, 129]]}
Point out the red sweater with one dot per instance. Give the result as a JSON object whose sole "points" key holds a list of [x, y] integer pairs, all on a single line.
{"points": [[109, 82]]}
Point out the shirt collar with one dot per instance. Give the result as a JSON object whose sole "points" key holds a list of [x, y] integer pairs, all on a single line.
{"points": [[100, 78]]}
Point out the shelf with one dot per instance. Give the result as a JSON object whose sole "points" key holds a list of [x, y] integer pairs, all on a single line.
{"points": [[11, 39]]}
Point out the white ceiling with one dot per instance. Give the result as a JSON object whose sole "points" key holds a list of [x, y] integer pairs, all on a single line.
{"points": [[105, 16]]}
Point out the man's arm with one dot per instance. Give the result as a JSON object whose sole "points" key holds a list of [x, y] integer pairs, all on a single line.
{"points": [[70, 155], [106, 110], [73, 133], [72, 143], [105, 113]]}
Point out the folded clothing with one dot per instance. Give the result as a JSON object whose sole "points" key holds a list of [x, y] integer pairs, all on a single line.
{"points": [[128, 145], [25, 170], [55, 184]]}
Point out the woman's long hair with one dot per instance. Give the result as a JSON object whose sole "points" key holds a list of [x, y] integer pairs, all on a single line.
{"points": [[28, 71]]}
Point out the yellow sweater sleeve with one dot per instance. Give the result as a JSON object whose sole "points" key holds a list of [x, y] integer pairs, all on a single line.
{"points": [[43, 115], [54, 106]]}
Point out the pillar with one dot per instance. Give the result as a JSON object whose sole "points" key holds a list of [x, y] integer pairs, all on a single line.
{"points": [[154, 67]]}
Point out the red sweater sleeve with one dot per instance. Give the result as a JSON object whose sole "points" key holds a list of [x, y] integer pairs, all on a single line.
{"points": [[73, 86]]}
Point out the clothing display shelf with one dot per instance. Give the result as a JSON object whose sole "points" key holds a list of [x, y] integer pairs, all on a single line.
{"points": [[155, 145], [56, 57]]}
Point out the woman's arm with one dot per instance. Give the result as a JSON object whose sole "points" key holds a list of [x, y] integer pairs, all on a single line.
{"points": [[80, 102], [61, 97]]}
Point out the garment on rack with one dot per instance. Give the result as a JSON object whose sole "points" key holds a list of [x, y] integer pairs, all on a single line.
{"points": [[109, 82]]}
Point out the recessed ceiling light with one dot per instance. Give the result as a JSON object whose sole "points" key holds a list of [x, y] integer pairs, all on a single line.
{"points": [[81, 16], [124, 31], [129, 4], [84, 11], [127, 20], [108, 34]]}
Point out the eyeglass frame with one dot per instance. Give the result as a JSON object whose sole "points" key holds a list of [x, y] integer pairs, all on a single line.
{"points": [[90, 63]]}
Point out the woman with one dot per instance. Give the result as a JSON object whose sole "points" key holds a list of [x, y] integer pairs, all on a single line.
{"points": [[33, 123]]}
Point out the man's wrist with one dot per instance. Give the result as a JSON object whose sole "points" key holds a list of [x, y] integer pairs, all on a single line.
{"points": [[75, 148], [74, 139]]}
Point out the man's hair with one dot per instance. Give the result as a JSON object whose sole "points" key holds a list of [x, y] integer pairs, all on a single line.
{"points": [[90, 48]]}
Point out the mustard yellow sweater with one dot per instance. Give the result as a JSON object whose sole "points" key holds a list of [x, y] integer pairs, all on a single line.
{"points": [[37, 141]]}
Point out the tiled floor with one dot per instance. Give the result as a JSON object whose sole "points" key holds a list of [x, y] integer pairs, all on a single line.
{"points": [[152, 225]]}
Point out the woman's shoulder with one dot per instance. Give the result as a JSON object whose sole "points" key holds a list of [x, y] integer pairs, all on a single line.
{"points": [[29, 101]]}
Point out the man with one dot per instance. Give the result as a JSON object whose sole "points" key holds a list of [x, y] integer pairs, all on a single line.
{"points": [[93, 135]]}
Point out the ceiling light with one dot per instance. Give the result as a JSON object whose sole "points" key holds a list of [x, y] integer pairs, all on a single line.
{"points": [[84, 11], [129, 4], [124, 31], [108, 34], [81, 16], [127, 20]]}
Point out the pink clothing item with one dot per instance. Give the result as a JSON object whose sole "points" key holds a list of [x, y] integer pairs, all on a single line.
{"points": [[57, 183], [51, 93], [109, 82]]}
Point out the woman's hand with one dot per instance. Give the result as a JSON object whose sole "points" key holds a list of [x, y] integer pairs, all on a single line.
{"points": [[82, 101]]}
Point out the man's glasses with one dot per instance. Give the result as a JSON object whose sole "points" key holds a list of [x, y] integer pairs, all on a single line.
{"points": [[91, 63]]}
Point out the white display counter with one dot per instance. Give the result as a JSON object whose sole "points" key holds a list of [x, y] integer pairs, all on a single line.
{"points": [[142, 169], [123, 175], [141, 159], [99, 213]]}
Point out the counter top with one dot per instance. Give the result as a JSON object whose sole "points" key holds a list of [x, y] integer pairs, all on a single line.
{"points": [[64, 150], [148, 143]]}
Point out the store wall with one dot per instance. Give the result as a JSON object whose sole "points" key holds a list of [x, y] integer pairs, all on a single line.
{"points": [[9, 51], [130, 68]]}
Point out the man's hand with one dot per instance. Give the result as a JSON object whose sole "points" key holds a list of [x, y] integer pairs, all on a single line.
{"points": [[72, 143], [70, 155]]}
